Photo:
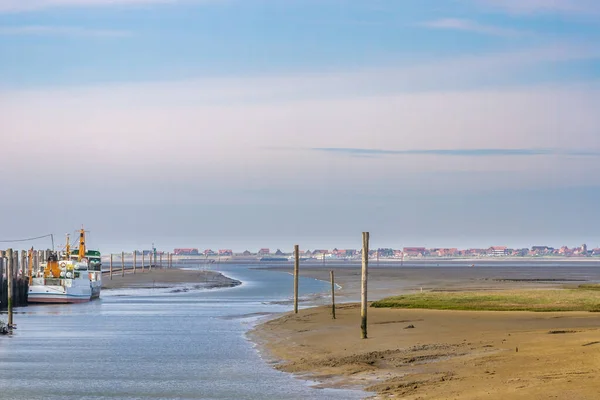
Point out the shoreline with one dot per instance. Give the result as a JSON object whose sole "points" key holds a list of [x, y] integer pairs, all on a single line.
{"points": [[170, 278], [432, 354]]}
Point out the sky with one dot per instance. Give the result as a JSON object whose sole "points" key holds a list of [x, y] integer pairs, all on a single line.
{"points": [[267, 123]]}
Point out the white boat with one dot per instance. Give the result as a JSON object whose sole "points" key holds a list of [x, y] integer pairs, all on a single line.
{"points": [[72, 279]]}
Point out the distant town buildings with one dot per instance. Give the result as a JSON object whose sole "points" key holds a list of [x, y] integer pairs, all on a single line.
{"points": [[498, 251], [407, 252], [186, 252], [414, 251]]}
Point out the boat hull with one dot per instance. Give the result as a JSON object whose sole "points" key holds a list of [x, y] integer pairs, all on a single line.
{"points": [[70, 292], [56, 299]]}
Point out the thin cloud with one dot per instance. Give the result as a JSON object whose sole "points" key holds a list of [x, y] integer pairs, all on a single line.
{"points": [[45, 30], [471, 26], [456, 152], [544, 6], [8, 6]]}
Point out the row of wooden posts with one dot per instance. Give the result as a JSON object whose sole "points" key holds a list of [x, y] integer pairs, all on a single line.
{"points": [[157, 263], [15, 268], [363, 288]]}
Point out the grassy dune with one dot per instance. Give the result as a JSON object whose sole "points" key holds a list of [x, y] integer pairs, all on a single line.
{"points": [[584, 298]]}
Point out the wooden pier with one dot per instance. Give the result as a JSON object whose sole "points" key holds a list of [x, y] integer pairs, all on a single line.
{"points": [[14, 268]]}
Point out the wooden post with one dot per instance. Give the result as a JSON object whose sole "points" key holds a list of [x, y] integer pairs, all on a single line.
{"points": [[122, 263], [2, 269], [18, 300], [169, 263], [110, 268], [143, 257], [150, 264], [363, 288], [160, 256], [134, 260], [296, 270], [23, 263], [30, 264], [9, 275], [332, 294], [36, 262]]}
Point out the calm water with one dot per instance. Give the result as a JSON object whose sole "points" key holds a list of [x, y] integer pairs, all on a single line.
{"points": [[152, 344]]}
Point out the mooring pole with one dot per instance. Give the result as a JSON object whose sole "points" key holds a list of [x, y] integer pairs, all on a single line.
{"points": [[134, 260], [9, 275], [30, 266], [122, 263], [296, 270], [363, 288], [160, 258], [143, 257], [332, 294], [110, 268]]}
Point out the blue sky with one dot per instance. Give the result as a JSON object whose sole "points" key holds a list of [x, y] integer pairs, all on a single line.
{"points": [[253, 123]]}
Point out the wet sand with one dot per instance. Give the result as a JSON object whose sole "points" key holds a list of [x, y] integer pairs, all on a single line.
{"points": [[390, 281], [430, 354], [161, 278]]}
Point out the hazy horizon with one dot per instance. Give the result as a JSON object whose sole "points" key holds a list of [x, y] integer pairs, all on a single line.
{"points": [[261, 123]]}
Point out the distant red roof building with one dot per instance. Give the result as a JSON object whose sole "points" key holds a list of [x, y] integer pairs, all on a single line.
{"points": [[226, 252], [341, 253], [264, 252], [186, 252], [414, 251], [498, 250], [447, 252]]}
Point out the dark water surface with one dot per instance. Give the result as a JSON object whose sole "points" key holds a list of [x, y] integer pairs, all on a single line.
{"points": [[153, 344]]}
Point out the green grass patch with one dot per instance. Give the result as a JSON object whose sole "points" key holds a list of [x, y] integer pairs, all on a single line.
{"points": [[590, 286], [542, 300]]}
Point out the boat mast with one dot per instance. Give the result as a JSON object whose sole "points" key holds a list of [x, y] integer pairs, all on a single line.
{"points": [[68, 248], [81, 244]]}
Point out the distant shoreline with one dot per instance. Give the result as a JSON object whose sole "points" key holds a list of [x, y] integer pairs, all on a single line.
{"points": [[166, 278], [201, 260]]}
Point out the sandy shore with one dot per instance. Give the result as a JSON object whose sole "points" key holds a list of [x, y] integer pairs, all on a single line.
{"points": [[445, 354], [385, 281], [158, 278]]}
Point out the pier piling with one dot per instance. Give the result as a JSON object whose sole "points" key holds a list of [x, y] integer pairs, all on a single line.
{"points": [[332, 294], [122, 263], [363, 288], [9, 275], [3, 296], [110, 267], [134, 260], [296, 271], [143, 256]]}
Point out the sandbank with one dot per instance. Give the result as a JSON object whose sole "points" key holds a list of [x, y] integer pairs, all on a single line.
{"points": [[157, 278], [432, 354], [447, 355]]}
